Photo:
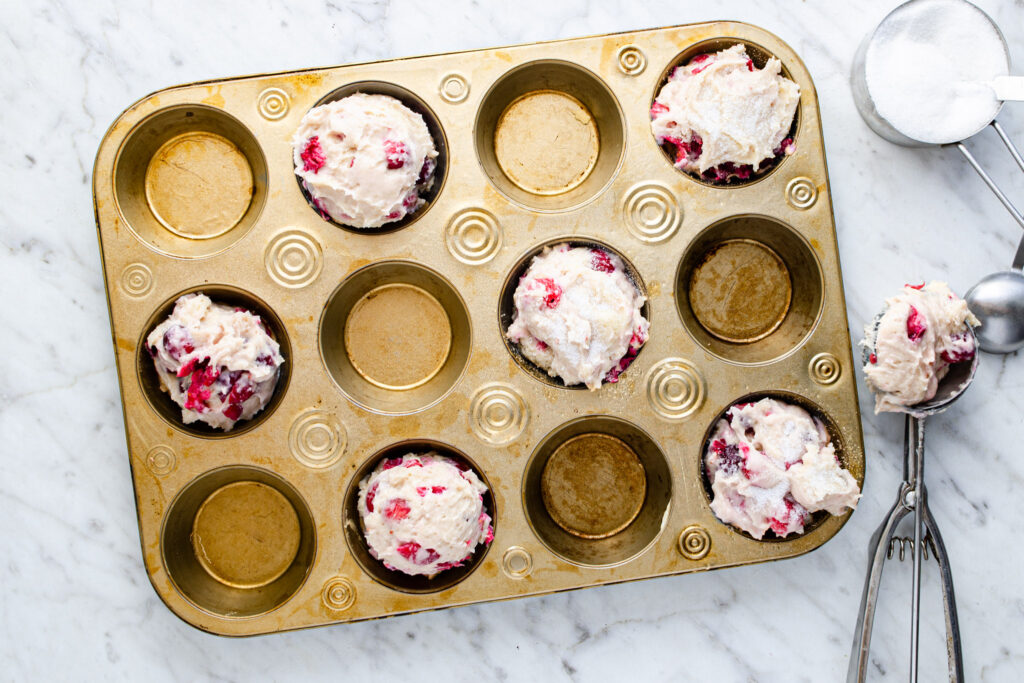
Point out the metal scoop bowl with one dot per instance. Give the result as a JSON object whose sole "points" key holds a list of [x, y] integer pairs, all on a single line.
{"points": [[913, 498]]}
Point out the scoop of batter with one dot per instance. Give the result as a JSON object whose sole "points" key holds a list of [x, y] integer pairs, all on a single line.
{"points": [[921, 333], [726, 118], [364, 159], [423, 514], [771, 464], [578, 316], [217, 362]]}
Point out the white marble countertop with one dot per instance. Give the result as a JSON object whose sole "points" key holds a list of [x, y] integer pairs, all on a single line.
{"points": [[75, 602]]}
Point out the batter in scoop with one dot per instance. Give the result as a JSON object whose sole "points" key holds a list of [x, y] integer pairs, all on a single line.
{"points": [[365, 159], [922, 332], [578, 316], [423, 514], [771, 465], [727, 119], [217, 362]]}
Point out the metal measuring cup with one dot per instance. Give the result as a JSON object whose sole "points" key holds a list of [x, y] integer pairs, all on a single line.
{"points": [[866, 107], [913, 498]]}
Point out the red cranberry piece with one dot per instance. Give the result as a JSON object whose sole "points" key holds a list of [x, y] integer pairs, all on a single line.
{"points": [[414, 463], [424, 490], [233, 412], [266, 359], [552, 291], [394, 215], [601, 262], [699, 61], [750, 65], [312, 155], [785, 147], [657, 109], [952, 357], [411, 201], [187, 368], [432, 556], [917, 287], [391, 462], [397, 510], [241, 391], [541, 345], [370, 496], [426, 170], [178, 342], [916, 325], [395, 153], [320, 209], [730, 459], [408, 550], [873, 359]]}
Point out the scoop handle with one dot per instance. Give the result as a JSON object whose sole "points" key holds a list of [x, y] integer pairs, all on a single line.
{"points": [[1017, 216], [1008, 88]]}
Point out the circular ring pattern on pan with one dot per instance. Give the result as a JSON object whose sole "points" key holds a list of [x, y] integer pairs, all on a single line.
{"points": [[675, 388], [632, 60], [454, 88], [293, 258], [498, 414], [473, 236], [137, 280], [801, 193], [161, 460], [517, 562], [694, 542], [273, 104], [317, 439], [652, 212], [825, 369], [338, 594]]}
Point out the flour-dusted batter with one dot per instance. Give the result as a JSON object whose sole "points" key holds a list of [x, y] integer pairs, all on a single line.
{"points": [[217, 362], [727, 119], [922, 332], [578, 316], [770, 465], [423, 514], [365, 159]]}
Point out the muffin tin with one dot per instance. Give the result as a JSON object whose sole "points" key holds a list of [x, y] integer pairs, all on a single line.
{"points": [[539, 144]]}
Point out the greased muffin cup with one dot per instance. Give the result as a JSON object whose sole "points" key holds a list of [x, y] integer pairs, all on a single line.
{"points": [[394, 341]]}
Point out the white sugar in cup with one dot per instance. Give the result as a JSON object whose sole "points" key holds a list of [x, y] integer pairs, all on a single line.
{"points": [[923, 76]]}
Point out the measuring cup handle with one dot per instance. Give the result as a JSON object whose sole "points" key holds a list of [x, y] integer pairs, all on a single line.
{"points": [[954, 652], [878, 546], [1017, 216]]}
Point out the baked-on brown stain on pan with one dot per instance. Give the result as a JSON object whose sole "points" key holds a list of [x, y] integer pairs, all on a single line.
{"points": [[593, 485], [741, 291], [199, 185], [246, 534], [546, 142], [398, 336]]}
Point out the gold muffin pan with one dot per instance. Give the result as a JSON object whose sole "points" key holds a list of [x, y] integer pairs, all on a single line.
{"points": [[393, 337]]}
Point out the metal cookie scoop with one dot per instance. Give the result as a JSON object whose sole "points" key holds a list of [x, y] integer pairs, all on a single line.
{"points": [[998, 302], [913, 498]]}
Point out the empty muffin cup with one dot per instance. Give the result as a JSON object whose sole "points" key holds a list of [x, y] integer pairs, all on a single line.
{"points": [[749, 289], [190, 181], [596, 491], [238, 541], [413, 102], [395, 337], [354, 534], [550, 135], [161, 401]]}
